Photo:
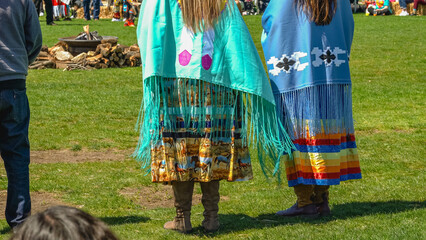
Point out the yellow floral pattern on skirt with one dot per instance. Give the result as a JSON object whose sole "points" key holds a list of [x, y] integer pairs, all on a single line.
{"points": [[183, 154]]}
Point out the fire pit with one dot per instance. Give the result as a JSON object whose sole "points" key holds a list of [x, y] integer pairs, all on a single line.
{"points": [[76, 47]]}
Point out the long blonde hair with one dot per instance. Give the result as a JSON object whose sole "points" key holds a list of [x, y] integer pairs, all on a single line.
{"points": [[319, 11], [194, 12]]}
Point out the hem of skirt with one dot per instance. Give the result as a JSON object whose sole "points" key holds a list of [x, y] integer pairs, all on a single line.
{"points": [[225, 179], [355, 176]]}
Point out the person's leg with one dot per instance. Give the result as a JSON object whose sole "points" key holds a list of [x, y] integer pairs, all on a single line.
{"points": [[86, 9], [37, 4], [210, 200], [15, 152], [182, 192], [304, 205], [371, 9], [416, 3], [320, 199], [96, 9], [49, 12]]}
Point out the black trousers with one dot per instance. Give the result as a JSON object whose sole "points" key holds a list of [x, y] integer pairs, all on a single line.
{"points": [[48, 9]]}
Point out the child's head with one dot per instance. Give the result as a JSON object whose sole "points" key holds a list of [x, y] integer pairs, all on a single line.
{"points": [[320, 12], [195, 12], [62, 222]]}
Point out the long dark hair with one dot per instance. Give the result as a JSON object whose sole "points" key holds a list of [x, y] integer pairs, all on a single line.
{"points": [[319, 11]]}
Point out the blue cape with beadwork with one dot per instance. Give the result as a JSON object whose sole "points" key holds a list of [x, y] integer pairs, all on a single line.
{"points": [[301, 54], [224, 56]]}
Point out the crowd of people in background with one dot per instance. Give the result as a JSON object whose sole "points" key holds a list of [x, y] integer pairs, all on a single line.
{"points": [[383, 7], [124, 10], [55, 10]]}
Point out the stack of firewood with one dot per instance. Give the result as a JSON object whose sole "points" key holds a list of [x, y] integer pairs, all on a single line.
{"points": [[115, 56], [106, 55]]}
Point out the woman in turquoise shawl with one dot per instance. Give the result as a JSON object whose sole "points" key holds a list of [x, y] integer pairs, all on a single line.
{"points": [[206, 99]]}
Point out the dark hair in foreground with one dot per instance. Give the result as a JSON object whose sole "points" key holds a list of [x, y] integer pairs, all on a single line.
{"points": [[63, 223], [319, 11]]}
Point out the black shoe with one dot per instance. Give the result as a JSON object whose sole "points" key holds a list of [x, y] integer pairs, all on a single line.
{"points": [[52, 24], [308, 211]]}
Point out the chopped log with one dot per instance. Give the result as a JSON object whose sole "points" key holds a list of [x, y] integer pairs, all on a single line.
{"points": [[43, 54], [96, 58], [91, 53], [35, 65], [43, 58], [100, 65], [91, 63], [49, 64], [55, 49], [105, 49], [79, 58], [121, 62], [134, 48], [63, 56], [111, 41], [63, 64], [105, 61], [117, 49]]}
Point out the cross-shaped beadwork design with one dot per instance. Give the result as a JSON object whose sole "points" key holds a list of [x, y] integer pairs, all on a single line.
{"points": [[286, 63], [328, 57]]}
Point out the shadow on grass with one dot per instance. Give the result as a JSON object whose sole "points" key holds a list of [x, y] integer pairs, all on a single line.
{"points": [[240, 222], [114, 221]]}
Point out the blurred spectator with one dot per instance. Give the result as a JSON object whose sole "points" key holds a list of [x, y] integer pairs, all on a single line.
{"points": [[249, 7], [48, 7], [403, 5], [263, 4], [378, 7], [96, 9], [416, 5], [126, 8], [63, 223], [56, 12], [74, 6], [65, 10]]}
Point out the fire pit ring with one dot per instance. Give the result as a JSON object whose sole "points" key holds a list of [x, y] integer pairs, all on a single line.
{"points": [[76, 47]]}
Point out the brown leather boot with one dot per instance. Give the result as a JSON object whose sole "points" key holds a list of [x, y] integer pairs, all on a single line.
{"points": [[183, 202], [210, 200], [304, 205], [307, 211], [321, 199]]}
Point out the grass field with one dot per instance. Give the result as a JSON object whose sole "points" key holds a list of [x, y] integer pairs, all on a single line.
{"points": [[95, 111]]}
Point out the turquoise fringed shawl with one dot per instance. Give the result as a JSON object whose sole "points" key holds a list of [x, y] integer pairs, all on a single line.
{"points": [[224, 56]]}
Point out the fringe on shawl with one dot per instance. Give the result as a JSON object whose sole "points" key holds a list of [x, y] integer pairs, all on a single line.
{"points": [[260, 127], [315, 110]]}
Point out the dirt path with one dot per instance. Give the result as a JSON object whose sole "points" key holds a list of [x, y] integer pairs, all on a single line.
{"points": [[68, 156]]}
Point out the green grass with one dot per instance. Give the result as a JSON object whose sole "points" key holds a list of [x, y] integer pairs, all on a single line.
{"points": [[97, 110]]}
